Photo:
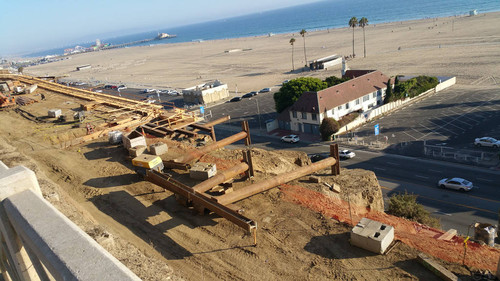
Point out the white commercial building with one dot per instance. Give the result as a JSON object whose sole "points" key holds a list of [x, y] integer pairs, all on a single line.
{"points": [[206, 93]]}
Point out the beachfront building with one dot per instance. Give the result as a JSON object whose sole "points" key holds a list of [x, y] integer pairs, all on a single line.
{"points": [[206, 93], [360, 94], [326, 62]]}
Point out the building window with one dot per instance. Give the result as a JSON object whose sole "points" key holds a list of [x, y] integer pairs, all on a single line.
{"points": [[314, 116], [340, 107], [304, 115], [333, 111], [379, 93], [347, 106], [294, 114], [357, 101], [374, 95], [366, 98]]}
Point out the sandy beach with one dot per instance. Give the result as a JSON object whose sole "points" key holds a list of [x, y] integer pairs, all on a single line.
{"points": [[465, 47]]}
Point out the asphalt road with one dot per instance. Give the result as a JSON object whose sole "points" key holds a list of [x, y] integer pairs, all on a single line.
{"points": [[400, 174]]}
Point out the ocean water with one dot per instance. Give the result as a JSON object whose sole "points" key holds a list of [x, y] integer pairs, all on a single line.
{"points": [[315, 16]]}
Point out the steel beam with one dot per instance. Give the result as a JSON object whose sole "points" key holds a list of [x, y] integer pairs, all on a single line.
{"points": [[259, 187], [198, 199], [221, 177], [198, 153]]}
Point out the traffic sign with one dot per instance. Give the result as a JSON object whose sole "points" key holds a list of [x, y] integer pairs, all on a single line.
{"points": [[377, 129]]}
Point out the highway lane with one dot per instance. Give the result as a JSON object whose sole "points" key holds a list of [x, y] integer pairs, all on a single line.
{"points": [[399, 174]]}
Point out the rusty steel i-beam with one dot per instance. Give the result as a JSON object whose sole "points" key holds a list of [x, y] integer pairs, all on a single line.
{"points": [[262, 186], [221, 177], [197, 154]]}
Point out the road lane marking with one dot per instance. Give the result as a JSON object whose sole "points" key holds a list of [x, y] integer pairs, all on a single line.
{"points": [[425, 186], [392, 163], [481, 179], [435, 171], [441, 213], [448, 202], [423, 177], [377, 168]]}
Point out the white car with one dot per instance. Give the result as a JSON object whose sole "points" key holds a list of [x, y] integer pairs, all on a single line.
{"points": [[290, 139], [487, 141], [149, 90], [456, 183], [346, 154]]}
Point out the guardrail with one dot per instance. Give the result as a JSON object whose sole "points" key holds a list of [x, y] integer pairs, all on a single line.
{"points": [[40, 243]]}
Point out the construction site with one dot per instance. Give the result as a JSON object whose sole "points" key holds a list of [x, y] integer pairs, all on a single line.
{"points": [[156, 189]]}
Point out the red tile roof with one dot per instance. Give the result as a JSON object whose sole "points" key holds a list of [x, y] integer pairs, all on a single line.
{"points": [[356, 73], [351, 90]]}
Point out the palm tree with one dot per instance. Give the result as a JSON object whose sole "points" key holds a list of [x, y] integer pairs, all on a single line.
{"points": [[363, 22], [303, 33], [291, 43], [352, 23]]}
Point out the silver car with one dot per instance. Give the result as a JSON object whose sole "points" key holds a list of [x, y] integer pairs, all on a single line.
{"points": [[456, 183], [290, 139], [487, 141], [346, 154]]}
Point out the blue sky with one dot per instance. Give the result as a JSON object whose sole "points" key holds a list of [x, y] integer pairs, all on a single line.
{"points": [[32, 25]]}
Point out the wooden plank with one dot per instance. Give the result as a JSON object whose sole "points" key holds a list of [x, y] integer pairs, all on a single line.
{"points": [[101, 133], [448, 235], [436, 268]]}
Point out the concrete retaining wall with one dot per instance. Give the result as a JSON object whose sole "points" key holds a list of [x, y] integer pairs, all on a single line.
{"points": [[41, 243]]}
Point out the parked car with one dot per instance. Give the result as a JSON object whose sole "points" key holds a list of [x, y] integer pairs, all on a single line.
{"points": [[284, 82], [265, 90], [346, 154], [122, 87], [290, 139], [108, 86], [113, 87], [456, 183], [487, 141], [249, 95], [318, 156], [235, 99], [149, 90]]}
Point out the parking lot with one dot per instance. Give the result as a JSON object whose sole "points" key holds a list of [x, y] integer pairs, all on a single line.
{"points": [[259, 107], [453, 117]]}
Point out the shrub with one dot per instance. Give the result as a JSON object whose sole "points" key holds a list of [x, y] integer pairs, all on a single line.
{"points": [[406, 206], [290, 92], [346, 119], [334, 80], [328, 127]]}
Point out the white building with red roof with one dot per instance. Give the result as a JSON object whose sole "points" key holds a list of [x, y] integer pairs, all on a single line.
{"points": [[358, 94]]}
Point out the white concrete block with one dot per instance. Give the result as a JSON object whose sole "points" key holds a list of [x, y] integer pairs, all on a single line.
{"points": [[202, 171], [158, 148], [17, 179], [54, 113], [372, 235], [133, 139]]}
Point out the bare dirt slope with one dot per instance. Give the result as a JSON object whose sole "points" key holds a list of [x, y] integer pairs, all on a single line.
{"points": [[144, 227]]}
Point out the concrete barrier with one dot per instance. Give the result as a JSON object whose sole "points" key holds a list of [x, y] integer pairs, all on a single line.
{"points": [[40, 243], [372, 235]]}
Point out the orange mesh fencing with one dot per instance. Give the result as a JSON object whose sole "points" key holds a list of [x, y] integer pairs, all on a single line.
{"points": [[414, 234]]}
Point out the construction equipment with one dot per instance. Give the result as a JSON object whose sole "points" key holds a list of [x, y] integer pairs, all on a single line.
{"points": [[145, 162], [7, 100]]}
